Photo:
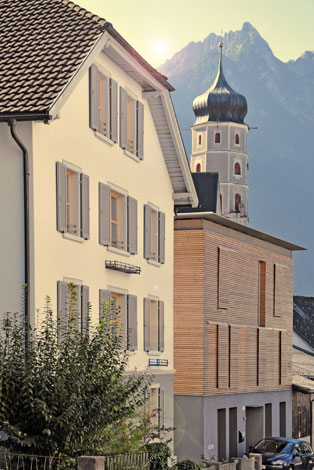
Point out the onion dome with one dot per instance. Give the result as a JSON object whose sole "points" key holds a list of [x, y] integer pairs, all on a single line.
{"points": [[220, 102]]}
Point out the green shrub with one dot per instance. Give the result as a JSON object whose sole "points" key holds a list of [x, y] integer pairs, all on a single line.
{"points": [[187, 465], [158, 455]]}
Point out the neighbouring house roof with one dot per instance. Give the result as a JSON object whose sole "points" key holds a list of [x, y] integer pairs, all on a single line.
{"points": [[47, 46], [303, 369], [223, 221], [43, 43], [303, 317], [206, 185]]}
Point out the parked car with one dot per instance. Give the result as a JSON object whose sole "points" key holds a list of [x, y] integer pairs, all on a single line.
{"points": [[284, 453]]}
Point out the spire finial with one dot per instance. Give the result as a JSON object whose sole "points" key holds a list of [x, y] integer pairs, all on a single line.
{"points": [[221, 45]]}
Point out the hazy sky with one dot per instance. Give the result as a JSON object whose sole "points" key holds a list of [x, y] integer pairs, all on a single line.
{"points": [[158, 29]]}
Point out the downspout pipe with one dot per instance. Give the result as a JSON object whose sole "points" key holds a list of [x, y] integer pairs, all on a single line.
{"points": [[26, 190]]}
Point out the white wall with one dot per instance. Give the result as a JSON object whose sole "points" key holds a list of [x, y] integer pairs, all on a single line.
{"points": [[70, 138]]}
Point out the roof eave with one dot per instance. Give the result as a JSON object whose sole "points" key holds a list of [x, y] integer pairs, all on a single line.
{"points": [[218, 219]]}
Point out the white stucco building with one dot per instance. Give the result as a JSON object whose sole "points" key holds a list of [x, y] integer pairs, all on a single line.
{"points": [[105, 167]]}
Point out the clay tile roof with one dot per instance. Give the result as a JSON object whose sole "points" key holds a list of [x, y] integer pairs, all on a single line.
{"points": [[42, 44]]}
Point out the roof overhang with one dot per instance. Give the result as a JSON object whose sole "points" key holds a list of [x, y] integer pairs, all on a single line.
{"points": [[217, 219]]}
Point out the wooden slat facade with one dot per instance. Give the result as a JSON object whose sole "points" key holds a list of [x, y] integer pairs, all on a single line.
{"points": [[219, 343]]}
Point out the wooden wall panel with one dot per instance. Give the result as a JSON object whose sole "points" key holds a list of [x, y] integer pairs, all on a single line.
{"points": [[223, 356], [196, 309], [234, 347]]}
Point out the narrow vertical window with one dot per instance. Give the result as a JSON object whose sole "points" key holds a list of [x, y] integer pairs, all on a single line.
{"points": [[217, 138], [261, 293], [237, 202], [237, 168], [198, 168], [115, 220], [69, 203], [237, 139], [200, 139], [130, 125], [115, 301]]}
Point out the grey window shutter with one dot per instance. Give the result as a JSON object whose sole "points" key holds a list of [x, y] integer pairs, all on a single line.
{"points": [[85, 309], [132, 225], [140, 130], [105, 100], [123, 118], [161, 326], [62, 322], [147, 230], [104, 298], [161, 237], [93, 98], [61, 172], [123, 322], [146, 324], [104, 214], [84, 206], [113, 110], [132, 323]]}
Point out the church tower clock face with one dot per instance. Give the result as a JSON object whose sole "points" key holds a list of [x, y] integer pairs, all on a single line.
{"points": [[219, 144]]}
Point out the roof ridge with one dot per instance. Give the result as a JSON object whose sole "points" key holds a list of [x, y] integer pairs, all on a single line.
{"points": [[84, 12]]}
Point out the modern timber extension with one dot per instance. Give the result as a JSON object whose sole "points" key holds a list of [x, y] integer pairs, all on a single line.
{"points": [[233, 297]]}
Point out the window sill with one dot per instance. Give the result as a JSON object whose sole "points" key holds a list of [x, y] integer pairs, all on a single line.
{"points": [[153, 353], [131, 155], [104, 138], [118, 251], [75, 238], [154, 263]]}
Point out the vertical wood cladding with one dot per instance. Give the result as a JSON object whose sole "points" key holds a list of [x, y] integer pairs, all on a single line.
{"points": [[219, 344]]}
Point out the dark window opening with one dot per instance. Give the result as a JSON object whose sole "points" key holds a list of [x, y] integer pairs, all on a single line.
{"points": [[198, 168], [217, 138], [237, 139], [237, 202], [199, 139], [237, 169]]}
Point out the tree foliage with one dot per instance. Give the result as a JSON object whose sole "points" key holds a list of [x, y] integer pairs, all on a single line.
{"points": [[60, 398]]}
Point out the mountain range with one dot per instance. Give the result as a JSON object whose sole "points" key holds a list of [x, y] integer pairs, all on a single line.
{"points": [[280, 98]]}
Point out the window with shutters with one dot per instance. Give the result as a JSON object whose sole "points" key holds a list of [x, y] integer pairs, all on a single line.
{"points": [[72, 309], [131, 124], [155, 408], [103, 104], [117, 219], [153, 325], [72, 201], [120, 310], [154, 234]]}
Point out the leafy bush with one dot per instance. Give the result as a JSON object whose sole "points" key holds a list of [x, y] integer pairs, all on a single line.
{"points": [[57, 399], [158, 455], [187, 465]]}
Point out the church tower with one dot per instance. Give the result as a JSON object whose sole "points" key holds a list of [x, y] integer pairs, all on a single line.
{"points": [[219, 144]]}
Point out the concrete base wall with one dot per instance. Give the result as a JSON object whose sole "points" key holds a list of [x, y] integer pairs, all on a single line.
{"points": [[197, 428]]}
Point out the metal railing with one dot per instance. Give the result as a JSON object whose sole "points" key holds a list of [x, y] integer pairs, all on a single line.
{"points": [[10, 461]]}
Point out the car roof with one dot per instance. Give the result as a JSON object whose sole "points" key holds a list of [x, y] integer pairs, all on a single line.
{"points": [[287, 439]]}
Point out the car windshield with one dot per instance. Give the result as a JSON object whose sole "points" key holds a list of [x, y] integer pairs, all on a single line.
{"points": [[277, 447]]}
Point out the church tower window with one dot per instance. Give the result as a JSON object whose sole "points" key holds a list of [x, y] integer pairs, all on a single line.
{"points": [[198, 168], [237, 168], [217, 138], [200, 139], [237, 202], [237, 139]]}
